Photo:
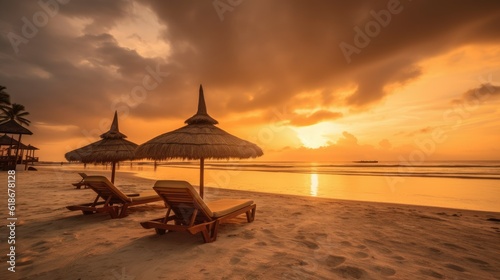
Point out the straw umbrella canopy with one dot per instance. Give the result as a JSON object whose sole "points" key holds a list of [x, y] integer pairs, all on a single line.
{"points": [[112, 148], [199, 139], [12, 127]]}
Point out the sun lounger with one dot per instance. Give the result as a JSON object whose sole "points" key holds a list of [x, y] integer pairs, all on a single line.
{"points": [[79, 185], [190, 213], [113, 201]]}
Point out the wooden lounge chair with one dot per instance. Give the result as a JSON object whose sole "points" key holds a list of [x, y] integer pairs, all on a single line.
{"points": [[114, 201], [79, 185], [192, 214]]}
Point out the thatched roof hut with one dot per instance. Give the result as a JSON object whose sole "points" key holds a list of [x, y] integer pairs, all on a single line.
{"points": [[12, 127]]}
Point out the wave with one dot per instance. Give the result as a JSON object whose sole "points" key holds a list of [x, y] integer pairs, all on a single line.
{"points": [[463, 170]]}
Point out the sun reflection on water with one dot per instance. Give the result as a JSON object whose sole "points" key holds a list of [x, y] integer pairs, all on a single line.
{"points": [[314, 184]]}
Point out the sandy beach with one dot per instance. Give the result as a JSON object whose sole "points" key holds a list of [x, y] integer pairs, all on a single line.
{"points": [[292, 237]]}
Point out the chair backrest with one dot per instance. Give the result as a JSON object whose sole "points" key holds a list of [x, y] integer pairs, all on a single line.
{"points": [[102, 186], [182, 198], [83, 175]]}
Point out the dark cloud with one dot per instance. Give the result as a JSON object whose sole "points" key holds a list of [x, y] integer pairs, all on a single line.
{"points": [[480, 93], [372, 82], [264, 55], [276, 51]]}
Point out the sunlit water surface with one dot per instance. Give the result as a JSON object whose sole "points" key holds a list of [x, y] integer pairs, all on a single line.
{"points": [[462, 185]]}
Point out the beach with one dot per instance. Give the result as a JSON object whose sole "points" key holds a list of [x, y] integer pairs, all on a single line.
{"points": [[292, 237]]}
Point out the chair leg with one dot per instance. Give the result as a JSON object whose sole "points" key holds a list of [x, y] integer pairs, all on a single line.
{"points": [[214, 231], [160, 231], [206, 235], [251, 214], [113, 211], [123, 211]]}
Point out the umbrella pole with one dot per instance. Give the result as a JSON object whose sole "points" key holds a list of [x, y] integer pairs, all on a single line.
{"points": [[202, 167], [17, 151], [113, 172]]}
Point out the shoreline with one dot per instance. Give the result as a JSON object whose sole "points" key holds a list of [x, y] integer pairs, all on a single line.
{"points": [[292, 237], [470, 194]]}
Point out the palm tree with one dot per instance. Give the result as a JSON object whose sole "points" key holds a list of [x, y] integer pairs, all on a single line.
{"points": [[15, 112], [4, 97]]}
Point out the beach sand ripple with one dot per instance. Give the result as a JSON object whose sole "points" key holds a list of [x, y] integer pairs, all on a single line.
{"points": [[292, 237]]}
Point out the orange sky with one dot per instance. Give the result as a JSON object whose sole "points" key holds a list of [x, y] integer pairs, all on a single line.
{"points": [[418, 80]]}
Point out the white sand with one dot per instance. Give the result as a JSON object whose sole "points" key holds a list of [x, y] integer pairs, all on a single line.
{"points": [[291, 238]]}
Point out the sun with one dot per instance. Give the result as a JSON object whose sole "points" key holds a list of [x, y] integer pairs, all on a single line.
{"points": [[315, 136]]}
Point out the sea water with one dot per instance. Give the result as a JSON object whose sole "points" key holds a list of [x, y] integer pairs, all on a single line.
{"points": [[471, 185]]}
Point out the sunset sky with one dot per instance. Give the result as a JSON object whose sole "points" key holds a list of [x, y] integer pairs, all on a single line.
{"points": [[304, 80]]}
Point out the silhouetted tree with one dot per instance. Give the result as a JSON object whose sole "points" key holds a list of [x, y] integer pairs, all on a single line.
{"points": [[4, 97], [16, 112]]}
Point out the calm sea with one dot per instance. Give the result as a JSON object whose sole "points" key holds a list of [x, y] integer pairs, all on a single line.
{"points": [[459, 184]]}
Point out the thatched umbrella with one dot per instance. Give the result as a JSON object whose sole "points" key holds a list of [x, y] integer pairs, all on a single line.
{"points": [[199, 139], [111, 149], [12, 127]]}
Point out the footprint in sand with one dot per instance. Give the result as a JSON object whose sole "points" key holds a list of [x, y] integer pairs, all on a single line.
{"points": [[379, 247], [477, 261], [40, 247], [350, 272], [234, 260], [244, 251], [248, 234], [399, 258], [455, 267], [454, 246], [333, 261], [431, 273], [309, 244], [106, 243], [280, 254], [273, 236], [360, 255], [385, 271], [261, 243], [346, 243], [268, 232], [435, 251], [69, 236]]}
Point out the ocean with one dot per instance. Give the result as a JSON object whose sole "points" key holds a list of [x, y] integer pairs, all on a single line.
{"points": [[473, 185]]}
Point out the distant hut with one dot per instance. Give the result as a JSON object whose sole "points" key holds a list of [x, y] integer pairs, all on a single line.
{"points": [[12, 127]]}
